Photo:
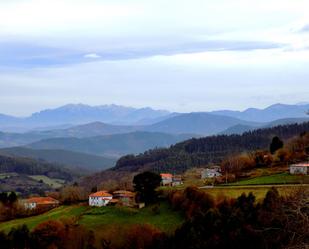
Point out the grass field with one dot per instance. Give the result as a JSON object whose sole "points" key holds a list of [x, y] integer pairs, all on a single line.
{"points": [[99, 219], [5, 175], [55, 214], [281, 178], [259, 191], [54, 183]]}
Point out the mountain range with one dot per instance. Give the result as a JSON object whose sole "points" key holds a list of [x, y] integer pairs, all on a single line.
{"points": [[269, 114], [78, 114], [76, 135], [75, 114]]}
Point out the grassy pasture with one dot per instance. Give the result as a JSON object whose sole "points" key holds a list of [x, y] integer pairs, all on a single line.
{"points": [[52, 182], [281, 178], [103, 218], [258, 191], [55, 214]]}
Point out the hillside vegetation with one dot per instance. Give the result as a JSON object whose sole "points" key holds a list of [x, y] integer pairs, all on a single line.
{"points": [[202, 151], [197, 152], [104, 218], [112, 145], [87, 162], [28, 176]]}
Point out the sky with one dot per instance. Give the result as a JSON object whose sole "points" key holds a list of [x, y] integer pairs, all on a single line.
{"points": [[193, 55]]}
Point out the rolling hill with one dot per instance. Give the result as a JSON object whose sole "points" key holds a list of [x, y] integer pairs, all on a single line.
{"points": [[197, 123], [70, 159], [111, 145], [88, 130], [239, 129], [196, 152], [24, 175]]}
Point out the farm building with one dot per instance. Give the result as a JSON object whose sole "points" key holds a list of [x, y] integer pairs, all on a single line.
{"points": [[40, 203], [299, 168], [167, 179], [177, 180], [125, 198], [100, 198], [170, 180], [212, 172]]}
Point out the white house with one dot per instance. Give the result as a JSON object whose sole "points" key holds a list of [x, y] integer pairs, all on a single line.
{"points": [[211, 172], [40, 202], [300, 168], [100, 198], [166, 179]]}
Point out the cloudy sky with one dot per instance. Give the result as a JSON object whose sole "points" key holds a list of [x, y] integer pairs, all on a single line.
{"points": [[193, 55]]}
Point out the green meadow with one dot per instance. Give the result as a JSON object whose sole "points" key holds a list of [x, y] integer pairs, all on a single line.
{"points": [[100, 218]]}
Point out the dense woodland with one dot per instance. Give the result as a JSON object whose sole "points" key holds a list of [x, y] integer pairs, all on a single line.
{"points": [[33, 167], [203, 151]]}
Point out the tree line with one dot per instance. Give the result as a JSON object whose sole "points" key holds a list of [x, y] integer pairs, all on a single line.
{"points": [[208, 150], [33, 167]]}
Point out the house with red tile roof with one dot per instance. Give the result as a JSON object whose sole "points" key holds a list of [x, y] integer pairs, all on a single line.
{"points": [[40, 203], [100, 198], [166, 179]]}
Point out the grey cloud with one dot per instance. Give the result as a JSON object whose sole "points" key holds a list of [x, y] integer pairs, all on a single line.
{"points": [[27, 55]]}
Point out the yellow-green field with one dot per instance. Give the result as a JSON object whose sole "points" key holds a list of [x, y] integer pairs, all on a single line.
{"points": [[234, 191], [259, 191]]}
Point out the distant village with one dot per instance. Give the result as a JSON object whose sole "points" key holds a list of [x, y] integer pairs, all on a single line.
{"points": [[127, 198]]}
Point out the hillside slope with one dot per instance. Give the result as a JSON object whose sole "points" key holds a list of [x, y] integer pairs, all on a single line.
{"points": [[197, 123], [88, 130], [197, 152], [69, 158], [112, 145]]}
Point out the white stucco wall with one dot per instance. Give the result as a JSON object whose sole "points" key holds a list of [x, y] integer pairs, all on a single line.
{"points": [[31, 205], [298, 170], [99, 201]]}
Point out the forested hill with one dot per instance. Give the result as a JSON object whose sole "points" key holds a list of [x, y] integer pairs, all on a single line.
{"points": [[202, 151], [26, 166]]}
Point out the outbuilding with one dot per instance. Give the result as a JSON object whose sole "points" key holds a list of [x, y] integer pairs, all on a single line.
{"points": [[299, 169]]}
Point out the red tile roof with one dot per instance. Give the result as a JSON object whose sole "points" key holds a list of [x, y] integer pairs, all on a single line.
{"points": [[300, 165], [42, 200], [100, 194], [163, 175]]}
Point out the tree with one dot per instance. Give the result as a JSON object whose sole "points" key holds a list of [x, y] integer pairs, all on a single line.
{"points": [[145, 185], [275, 145], [12, 198], [49, 234], [72, 194], [4, 240], [19, 237], [4, 198], [94, 189]]}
